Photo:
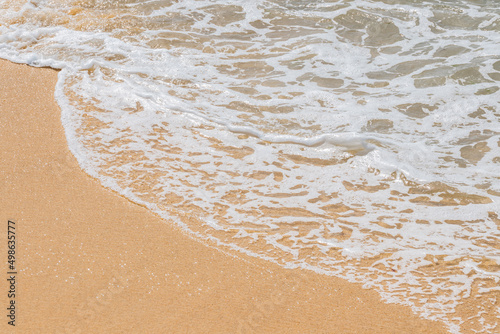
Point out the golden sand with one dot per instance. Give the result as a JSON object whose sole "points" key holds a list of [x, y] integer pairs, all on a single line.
{"points": [[90, 261]]}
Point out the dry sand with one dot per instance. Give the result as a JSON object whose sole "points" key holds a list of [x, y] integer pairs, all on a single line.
{"points": [[90, 261]]}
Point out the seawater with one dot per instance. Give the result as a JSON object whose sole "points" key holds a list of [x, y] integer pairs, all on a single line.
{"points": [[359, 138]]}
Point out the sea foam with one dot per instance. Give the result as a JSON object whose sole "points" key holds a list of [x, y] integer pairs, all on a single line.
{"points": [[357, 138]]}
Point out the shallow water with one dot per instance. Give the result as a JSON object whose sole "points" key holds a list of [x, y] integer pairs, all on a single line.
{"points": [[354, 138]]}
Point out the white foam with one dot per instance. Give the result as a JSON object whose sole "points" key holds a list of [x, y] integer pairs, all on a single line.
{"points": [[324, 115]]}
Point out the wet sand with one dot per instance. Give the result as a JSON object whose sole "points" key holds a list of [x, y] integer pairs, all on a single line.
{"points": [[90, 261]]}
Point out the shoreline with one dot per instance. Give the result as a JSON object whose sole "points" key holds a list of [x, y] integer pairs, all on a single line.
{"points": [[91, 261]]}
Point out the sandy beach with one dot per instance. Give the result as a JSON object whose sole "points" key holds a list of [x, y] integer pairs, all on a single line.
{"points": [[90, 261]]}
